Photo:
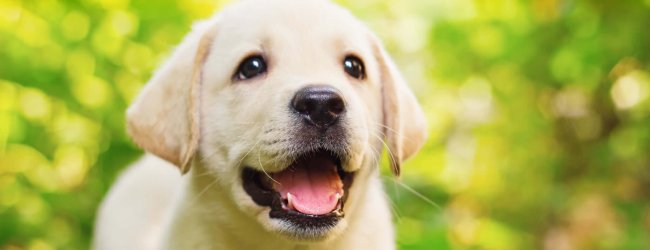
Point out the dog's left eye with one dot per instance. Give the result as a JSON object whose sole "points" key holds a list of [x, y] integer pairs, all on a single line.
{"points": [[354, 67], [251, 67]]}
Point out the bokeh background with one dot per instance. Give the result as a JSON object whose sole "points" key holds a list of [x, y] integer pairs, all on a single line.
{"points": [[538, 112]]}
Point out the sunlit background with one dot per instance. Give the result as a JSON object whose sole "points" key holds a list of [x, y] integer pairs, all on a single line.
{"points": [[538, 111]]}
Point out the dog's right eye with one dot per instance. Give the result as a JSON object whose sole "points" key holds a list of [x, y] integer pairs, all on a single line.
{"points": [[251, 67]]}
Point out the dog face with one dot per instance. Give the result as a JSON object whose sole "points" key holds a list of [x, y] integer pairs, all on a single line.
{"points": [[286, 105]]}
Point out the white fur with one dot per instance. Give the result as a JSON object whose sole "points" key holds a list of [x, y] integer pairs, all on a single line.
{"points": [[304, 41]]}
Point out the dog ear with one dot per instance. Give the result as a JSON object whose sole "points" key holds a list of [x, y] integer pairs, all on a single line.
{"points": [[164, 118], [403, 119]]}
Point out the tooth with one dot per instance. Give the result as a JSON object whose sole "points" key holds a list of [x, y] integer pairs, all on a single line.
{"points": [[284, 204], [339, 202], [290, 201]]}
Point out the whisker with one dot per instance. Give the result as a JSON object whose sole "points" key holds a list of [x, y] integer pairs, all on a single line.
{"points": [[263, 170], [392, 156], [248, 152], [416, 193], [207, 172], [209, 156], [204, 190], [202, 174], [375, 156], [394, 208], [386, 127], [400, 135]]}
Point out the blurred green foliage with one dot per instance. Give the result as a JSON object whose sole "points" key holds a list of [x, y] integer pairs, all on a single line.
{"points": [[538, 110]]}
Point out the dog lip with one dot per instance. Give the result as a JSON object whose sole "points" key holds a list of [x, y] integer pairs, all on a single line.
{"points": [[259, 187]]}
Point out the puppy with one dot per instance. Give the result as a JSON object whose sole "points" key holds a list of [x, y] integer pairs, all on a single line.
{"points": [[276, 112]]}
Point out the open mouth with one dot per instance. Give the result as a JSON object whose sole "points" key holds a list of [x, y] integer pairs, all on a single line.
{"points": [[310, 193]]}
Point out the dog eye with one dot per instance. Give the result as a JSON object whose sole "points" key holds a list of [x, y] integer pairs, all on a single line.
{"points": [[251, 67], [354, 67]]}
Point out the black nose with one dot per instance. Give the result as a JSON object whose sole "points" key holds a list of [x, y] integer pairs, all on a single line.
{"points": [[320, 105]]}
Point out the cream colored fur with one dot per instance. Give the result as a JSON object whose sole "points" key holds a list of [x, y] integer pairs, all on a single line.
{"points": [[193, 115]]}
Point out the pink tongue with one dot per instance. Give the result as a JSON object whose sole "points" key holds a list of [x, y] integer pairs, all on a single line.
{"points": [[313, 184]]}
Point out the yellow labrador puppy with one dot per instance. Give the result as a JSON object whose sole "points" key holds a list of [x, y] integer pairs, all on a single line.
{"points": [[276, 112]]}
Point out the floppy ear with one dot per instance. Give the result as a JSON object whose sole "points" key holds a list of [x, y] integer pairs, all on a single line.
{"points": [[164, 118], [403, 119]]}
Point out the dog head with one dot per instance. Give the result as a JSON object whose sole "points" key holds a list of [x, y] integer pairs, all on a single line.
{"points": [[287, 104]]}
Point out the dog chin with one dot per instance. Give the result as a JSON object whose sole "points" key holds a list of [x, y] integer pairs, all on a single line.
{"points": [[300, 234]]}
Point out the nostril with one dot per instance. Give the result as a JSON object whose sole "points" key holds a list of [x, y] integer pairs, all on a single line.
{"points": [[336, 105], [320, 105], [302, 104]]}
